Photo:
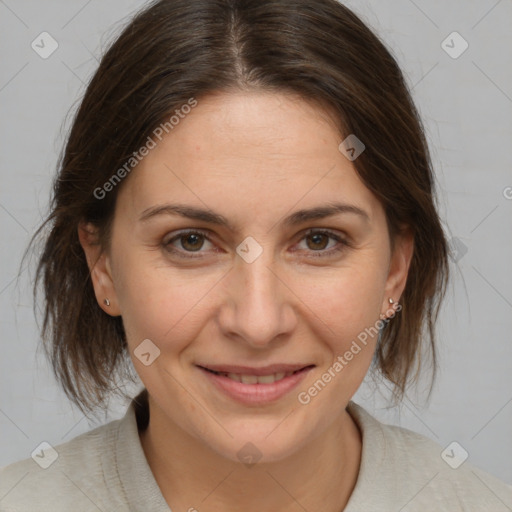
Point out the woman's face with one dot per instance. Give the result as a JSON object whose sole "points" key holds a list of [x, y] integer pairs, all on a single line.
{"points": [[256, 290]]}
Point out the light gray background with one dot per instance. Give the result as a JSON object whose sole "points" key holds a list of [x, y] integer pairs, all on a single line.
{"points": [[467, 107]]}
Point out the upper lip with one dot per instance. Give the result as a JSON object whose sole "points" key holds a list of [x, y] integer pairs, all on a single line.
{"points": [[251, 370]]}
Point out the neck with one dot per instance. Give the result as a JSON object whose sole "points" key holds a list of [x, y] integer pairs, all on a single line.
{"points": [[192, 476]]}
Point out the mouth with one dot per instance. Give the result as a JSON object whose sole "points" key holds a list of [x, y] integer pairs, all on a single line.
{"points": [[255, 386], [256, 376]]}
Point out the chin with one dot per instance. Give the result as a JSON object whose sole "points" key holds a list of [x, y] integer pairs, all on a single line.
{"points": [[262, 441]]}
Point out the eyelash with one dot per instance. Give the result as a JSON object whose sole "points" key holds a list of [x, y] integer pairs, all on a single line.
{"points": [[343, 244]]}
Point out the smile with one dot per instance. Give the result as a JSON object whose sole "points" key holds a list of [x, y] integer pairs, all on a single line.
{"points": [[255, 386]]}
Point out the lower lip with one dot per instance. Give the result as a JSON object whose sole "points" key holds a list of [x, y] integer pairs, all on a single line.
{"points": [[256, 394]]}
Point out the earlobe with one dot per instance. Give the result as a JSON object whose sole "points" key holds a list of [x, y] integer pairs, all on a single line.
{"points": [[398, 269], [99, 268]]}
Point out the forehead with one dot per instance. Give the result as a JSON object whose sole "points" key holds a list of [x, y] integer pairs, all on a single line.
{"points": [[249, 151]]}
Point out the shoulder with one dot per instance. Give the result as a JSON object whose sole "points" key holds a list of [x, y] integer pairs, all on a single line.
{"points": [[405, 469], [68, 476]]}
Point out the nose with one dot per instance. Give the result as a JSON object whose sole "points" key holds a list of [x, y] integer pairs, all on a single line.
{"points": [[258, 309]]}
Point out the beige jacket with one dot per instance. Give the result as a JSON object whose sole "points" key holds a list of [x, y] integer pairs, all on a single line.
{"points": [[105, 469]]}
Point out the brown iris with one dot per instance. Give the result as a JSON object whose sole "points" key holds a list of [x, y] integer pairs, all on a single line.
{"points": [[316, 237], [192, 241]]}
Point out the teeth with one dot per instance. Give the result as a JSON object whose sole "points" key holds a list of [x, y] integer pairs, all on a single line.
{"points": [[267, 379], [258, 379], [249, 379]]}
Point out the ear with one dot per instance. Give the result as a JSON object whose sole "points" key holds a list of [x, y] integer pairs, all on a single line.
{"points": [[98, 262], [398, 269]]}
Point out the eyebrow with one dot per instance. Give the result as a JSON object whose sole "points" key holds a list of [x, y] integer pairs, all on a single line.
{"points": [[296, 218]]}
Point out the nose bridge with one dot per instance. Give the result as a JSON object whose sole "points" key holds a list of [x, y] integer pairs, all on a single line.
{"points": [[254, 265], [260, 282], [260, 305]]}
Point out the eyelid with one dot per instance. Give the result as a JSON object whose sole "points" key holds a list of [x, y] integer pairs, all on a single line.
{"points": [[186, 231]]}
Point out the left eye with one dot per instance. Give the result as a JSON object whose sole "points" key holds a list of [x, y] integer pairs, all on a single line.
{"points": [[193, 241]]}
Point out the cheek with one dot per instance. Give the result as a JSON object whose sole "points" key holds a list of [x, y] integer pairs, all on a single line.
{"points": [[348, 300], [161, 304], [348, 309], [349, 304]]}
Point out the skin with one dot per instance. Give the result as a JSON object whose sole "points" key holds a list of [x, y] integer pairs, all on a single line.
{"points": [[254, 157]]}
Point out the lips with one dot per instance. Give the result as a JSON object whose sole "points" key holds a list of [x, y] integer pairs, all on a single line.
{"points": [[255, 385]]}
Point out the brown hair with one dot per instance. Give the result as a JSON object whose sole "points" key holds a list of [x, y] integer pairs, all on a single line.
{"points": [[175, 50]]}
